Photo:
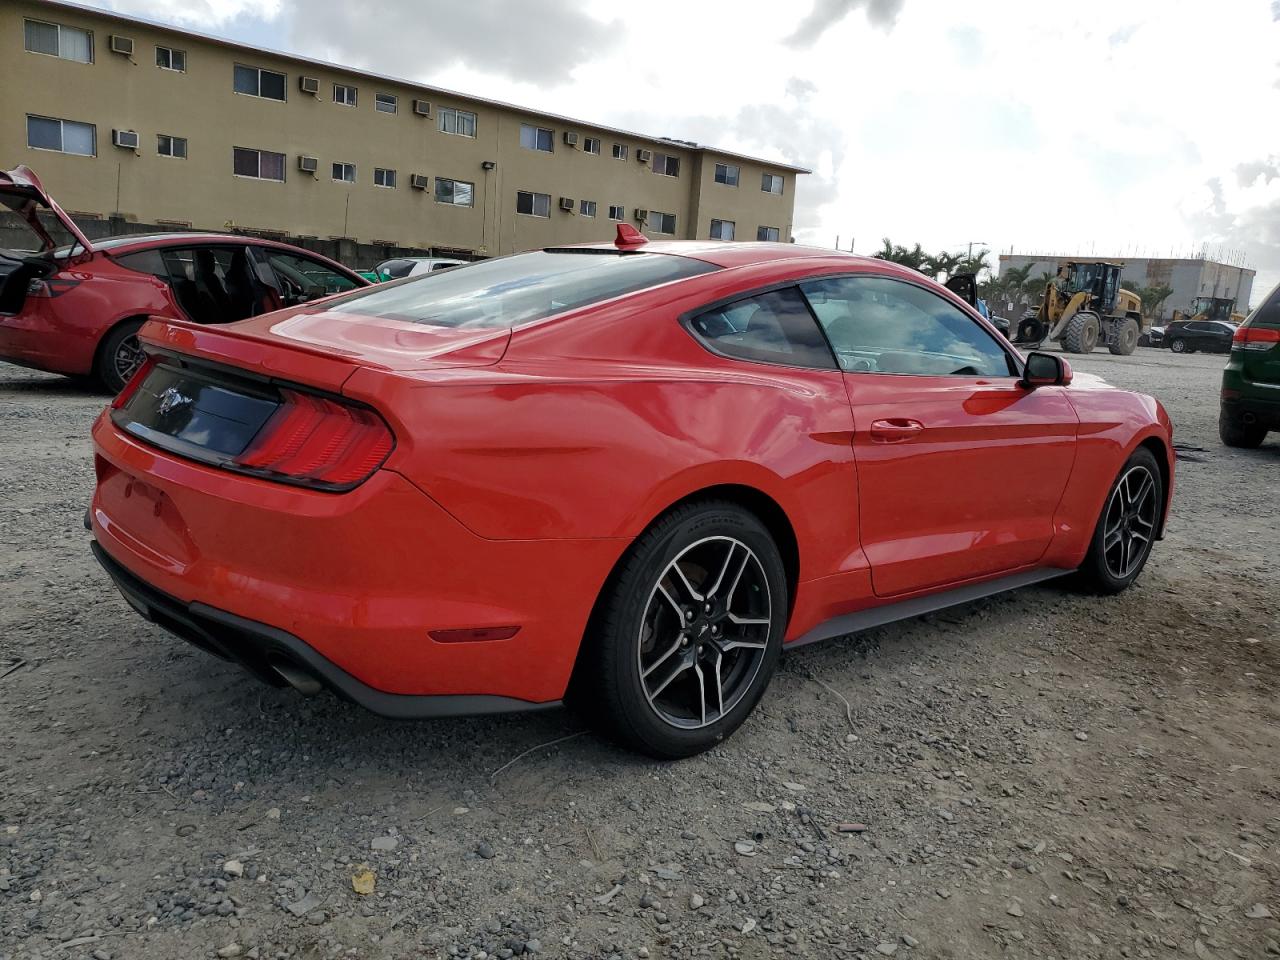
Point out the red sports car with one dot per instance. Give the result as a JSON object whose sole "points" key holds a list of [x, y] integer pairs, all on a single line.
{"points": [[77, 309], [625, 474]]}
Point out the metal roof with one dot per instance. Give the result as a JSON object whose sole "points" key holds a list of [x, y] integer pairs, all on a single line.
{"points": [[367, 74]]}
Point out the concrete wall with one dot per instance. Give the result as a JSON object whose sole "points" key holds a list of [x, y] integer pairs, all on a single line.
{"points": [[1188, 278], [200, 104]]}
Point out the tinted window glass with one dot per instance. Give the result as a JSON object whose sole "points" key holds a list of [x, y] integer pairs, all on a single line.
{"points": [[1267, 315], [513, 290], [773, 327], [878, 325], [394, 269], [303, 279]]}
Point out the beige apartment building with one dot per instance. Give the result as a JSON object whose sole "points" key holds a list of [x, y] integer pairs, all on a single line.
{"points": [[123, 117]]}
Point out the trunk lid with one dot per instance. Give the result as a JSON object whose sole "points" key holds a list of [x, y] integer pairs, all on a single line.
{"points": [[23, 193]]}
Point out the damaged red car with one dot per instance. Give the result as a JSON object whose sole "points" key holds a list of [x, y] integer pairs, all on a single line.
{"points": [[76, 309], [627, 475]]}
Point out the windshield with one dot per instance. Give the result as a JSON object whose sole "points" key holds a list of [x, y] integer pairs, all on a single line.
{"points": [[510, 291]]}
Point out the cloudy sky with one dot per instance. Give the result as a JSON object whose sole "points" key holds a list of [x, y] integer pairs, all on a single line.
{"points": [[1124, 127]]}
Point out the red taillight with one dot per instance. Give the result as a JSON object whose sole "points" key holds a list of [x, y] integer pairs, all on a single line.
{"points": [[1256, 338], [134, 383], [319, 441]]}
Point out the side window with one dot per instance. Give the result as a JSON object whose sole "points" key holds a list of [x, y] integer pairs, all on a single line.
{"points": [[879, 325], [302, 279], [773, 327]]}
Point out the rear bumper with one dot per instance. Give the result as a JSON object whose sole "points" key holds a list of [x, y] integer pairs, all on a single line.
{"points": [[350, 585], [1250, 410], [279, 658]]}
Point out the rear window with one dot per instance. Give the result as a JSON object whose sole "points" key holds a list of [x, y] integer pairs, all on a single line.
{"points": [[520, 289], [1267, 315]]}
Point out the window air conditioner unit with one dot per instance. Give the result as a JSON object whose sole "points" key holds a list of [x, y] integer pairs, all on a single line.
{"points": [[642, 215], [419, 181], [127, 139], [644, 156], [309, 85], [571, 139], [308, 164], [122, 45], [566, 203], [422, 108]]}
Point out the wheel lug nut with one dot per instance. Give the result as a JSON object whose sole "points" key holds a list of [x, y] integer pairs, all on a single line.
{"points": [[707, 608]]}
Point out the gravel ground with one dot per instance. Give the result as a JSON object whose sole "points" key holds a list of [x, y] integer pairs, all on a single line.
{"points": [[1044, 774]]}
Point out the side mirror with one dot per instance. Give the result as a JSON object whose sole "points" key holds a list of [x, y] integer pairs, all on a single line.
{"points": [[1045, 370]]}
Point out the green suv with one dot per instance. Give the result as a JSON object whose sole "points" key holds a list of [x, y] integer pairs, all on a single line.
{"points": [[1251, 380]]}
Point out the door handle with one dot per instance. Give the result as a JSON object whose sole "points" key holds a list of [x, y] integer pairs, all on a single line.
{"points": [[896, 430]]}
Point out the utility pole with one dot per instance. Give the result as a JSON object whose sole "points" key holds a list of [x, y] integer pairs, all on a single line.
{"points": [[971, 243]]}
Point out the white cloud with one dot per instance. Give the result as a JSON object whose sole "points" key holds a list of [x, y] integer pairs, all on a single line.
{"points": [[194, 13]]}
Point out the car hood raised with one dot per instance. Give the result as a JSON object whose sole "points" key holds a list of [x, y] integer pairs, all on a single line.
{"points": [[23, 193]]}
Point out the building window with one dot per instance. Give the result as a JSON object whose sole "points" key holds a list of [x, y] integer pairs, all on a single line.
{"points": [[383, 177], [662, 222], [771, 183], [533, 204], [620, 151], [722, 229], [255, 82], [55, 40], [65, 136], [727, 174], [346, 172], [167, 146], [169, 59], [459, 193], [537, 138], [768, 234], [386, 102], [344, 94], [259, 164], [591, 145], [587, 208], [617, 211], [461, 123], [666, 165]]}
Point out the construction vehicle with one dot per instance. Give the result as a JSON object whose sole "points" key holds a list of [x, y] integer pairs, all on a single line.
{"points": [[1212, 308], [1083, 304]]}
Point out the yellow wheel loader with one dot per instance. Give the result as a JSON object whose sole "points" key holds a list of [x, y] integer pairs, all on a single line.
{"points": [[1212, 308], [1083, 304]]}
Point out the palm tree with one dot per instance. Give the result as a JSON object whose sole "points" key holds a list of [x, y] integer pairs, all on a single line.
{"points": [[975, 264], [941, 263], [1153, 299], [915, 257]]}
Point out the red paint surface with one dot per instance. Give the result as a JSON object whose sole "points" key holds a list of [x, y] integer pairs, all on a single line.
{"points": [[527, 461]]}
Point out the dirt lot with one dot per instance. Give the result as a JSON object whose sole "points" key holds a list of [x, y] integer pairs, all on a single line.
{"points": [[1042, 775]]}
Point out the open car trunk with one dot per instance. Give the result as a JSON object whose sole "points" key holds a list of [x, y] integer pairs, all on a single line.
{"points": [[22, 192]]}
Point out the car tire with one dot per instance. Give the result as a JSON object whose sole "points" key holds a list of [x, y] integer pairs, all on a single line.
{"points": [[110, 369], [1247, 436], [1081, 335], [1123, 337], [668, 626], [1178, 345], [1129, 521]]}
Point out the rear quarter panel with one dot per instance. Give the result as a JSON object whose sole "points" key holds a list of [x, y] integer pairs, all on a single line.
{"points": [[593, 426]]}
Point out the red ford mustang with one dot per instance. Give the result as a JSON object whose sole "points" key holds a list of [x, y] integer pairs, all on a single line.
{"points": [[77, 309], [625, 474]]}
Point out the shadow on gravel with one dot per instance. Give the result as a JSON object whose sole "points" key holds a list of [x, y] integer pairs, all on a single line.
{"points": [[54, 386]]}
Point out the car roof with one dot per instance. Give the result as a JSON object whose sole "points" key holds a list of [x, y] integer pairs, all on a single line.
{"points": [[728, 253], [125, 240]]}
